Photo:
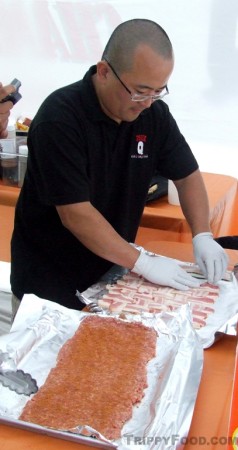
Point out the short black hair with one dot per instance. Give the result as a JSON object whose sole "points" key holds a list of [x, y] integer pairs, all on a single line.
{"points": [[127, 36]]}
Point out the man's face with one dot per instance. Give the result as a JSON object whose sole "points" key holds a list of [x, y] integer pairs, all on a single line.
{"points": [[150, 72]]}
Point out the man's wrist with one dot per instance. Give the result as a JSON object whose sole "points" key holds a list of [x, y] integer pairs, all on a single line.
{"points": [[204, 233]]}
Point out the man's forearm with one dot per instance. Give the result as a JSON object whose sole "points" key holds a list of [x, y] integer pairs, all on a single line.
{"points": [[95, 232], [194, 203]]}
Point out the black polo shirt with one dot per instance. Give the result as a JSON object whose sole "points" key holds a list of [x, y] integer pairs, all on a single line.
{"points": [[77, 153]]}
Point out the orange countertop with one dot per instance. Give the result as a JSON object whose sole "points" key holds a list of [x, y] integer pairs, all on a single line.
{"points": [[8, 195], [233, 420], [18, 439], [210, 421], [6, 228], [171, 223]]}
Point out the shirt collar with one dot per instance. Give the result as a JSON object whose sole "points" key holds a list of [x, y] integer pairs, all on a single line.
{"points": [[90, 99]]}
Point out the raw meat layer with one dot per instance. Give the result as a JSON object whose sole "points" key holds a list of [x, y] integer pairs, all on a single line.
{"points": [[100, 374]]}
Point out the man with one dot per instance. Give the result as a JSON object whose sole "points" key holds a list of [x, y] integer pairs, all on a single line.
{"points": [[93, 149]]}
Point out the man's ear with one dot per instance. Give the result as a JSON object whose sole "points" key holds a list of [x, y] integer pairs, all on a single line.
{"points": [[102, 71]]}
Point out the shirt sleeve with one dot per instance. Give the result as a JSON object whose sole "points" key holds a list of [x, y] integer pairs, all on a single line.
{"points": [[176, 159], [58, 162]]}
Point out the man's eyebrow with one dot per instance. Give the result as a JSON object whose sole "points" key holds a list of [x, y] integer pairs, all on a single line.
{"points": [[144, 86]]}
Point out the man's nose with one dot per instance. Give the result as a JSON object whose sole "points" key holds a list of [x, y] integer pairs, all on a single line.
{"points": [[148, 102]]}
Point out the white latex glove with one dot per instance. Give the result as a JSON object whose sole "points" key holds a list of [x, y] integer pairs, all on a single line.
{"points": [[164, 271], [210, 256]]}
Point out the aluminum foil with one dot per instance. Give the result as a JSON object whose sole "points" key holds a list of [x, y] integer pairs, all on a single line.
{"points": [[162, 419], [222, 321], [224, 318]]}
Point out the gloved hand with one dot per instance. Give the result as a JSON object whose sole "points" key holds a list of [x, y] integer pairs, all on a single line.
{"points": [[164, 271], [210, 256]]}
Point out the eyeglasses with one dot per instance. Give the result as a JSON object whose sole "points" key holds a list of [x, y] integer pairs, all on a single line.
{"points": [[140, 97]]}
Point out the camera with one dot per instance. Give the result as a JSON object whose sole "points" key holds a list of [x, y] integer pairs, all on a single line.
{"points": [[15, 96]]}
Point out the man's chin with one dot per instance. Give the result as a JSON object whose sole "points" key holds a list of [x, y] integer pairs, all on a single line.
{"points": [[133, 114]]}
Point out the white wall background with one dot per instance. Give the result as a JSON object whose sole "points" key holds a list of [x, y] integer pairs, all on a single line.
{"points": [[50, 43]]}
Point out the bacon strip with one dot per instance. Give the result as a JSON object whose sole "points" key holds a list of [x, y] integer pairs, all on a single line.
{"points": [[134, 294]]}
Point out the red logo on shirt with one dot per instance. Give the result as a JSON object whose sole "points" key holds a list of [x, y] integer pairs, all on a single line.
{"points": [[141, 137]]}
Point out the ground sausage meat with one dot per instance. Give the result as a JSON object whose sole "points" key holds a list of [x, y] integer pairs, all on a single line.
{"points": [[100, 374]]}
